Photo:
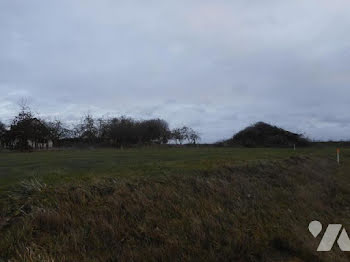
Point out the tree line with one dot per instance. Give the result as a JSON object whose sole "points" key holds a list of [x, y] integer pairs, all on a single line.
{"points": [[26, 130]]}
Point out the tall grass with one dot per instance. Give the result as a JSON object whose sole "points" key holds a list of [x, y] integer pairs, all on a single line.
{"points": [[251, 212]]}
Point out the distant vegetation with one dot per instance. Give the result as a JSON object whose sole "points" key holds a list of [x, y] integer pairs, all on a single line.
{"points": [[26, 131], [264, 135]]}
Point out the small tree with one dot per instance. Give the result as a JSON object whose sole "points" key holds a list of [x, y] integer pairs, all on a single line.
{"points": [[154, 131], [87, 131], [192, 136], [57, 131], [2, 133], [179, 134], [25, 127], [102, 129], [185, 133]]}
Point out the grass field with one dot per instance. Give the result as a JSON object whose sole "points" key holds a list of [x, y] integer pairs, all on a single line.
{"points": [[62, 166], [172, 204]]}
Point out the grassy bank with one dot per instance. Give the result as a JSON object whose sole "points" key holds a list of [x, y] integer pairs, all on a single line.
{"points": [[249, 205]]}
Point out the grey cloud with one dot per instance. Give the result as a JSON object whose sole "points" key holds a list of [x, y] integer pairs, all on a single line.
{"points": [[216, 65]]}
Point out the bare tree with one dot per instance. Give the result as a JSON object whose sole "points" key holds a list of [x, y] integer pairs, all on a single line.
{"points": [[193, 136], [57, 131], [179, 135], [185, 133], [87, 130]]}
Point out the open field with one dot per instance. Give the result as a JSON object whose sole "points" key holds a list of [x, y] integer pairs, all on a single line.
{"points": [[61, 166], [178, 204]]}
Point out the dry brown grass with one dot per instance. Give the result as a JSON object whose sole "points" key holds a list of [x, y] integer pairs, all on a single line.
{"points": [[256, 212]]}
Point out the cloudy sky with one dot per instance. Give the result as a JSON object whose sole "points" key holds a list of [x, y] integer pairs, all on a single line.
{"points": [[216, 66]]}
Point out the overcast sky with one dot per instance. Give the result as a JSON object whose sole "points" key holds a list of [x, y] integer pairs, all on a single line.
{"points": [[216, 66]]}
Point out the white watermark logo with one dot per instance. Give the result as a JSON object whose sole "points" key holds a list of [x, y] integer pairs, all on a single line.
{"points": [[330, 236]]}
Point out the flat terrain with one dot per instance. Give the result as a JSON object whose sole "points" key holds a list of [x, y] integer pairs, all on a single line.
{"points": [[67, 165], [171, 204]]}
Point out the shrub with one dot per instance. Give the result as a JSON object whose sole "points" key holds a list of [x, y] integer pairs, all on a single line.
{"points": [[265, 135]]}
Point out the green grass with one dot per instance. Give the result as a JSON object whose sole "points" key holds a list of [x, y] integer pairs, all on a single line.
{"points": [[68, 165]]}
